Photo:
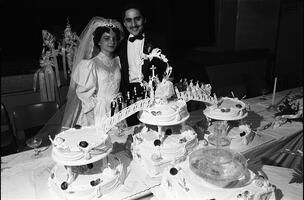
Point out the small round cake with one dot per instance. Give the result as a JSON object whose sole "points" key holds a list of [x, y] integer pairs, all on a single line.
{"points": [[227, 109], [155, 153], [241, 135], [80, 146], [92, 180], [165, 113]]}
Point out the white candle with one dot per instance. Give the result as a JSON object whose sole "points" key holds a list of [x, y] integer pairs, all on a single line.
{"points": [[274, 90]]}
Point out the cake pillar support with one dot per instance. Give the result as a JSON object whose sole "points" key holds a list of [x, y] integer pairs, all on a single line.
{"points": [[159, 130], [71, 175]]}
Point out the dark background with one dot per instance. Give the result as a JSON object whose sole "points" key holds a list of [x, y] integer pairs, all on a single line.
{"points": [[22, 22]]}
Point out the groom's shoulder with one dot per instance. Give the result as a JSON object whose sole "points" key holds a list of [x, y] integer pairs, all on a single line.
{"points": [[154, 35]]}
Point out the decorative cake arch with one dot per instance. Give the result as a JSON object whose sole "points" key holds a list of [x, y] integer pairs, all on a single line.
{"points": [[194, 93]]}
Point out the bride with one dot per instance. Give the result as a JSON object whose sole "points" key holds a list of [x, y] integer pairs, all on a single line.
{"points": [[95, 76]]}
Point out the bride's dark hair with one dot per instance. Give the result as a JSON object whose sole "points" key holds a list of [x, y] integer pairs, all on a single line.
{"points": [[97, 35]]}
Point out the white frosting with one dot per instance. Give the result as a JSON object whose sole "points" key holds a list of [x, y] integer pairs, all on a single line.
{"points": [[174, 148], [165, 113], [164, 90], [242, 135], [67, 151], [227, 108], [81, 188]]}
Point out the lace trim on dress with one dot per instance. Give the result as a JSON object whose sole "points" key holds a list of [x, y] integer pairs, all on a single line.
{"points": [[108, 62]]}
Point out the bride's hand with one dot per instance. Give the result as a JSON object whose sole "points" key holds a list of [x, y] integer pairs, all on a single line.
{"points": [[116, 96]]}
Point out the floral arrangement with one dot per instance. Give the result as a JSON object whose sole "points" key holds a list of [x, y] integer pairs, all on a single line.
{"points": [[46, 59], [45, 75], [70, 38], [48, 40], [69, 43], [48, 48], [48, 74], [290, 109]]}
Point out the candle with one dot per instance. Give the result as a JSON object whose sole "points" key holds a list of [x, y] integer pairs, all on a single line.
{"points": [[274, 90]]}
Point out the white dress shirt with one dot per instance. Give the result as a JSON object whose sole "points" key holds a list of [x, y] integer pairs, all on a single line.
{"points": [[135, 52]]}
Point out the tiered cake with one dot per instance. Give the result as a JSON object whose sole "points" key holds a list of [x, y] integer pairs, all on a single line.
{"points": [[154, 151], [169, 140], [231, 109], [85, 168]]}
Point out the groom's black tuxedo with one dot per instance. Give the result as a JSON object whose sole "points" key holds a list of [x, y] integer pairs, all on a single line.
{"points": [[152, 40]]}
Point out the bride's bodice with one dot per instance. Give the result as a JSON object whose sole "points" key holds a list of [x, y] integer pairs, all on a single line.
{"points": [[108, 76]]}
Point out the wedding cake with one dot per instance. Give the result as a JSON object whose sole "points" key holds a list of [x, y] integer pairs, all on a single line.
{"points": [[85, 168], [154, 152], [165, 113], [171, 139], [226, 109]]}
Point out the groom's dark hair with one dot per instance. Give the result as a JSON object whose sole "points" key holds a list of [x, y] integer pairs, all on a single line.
{"points": [[133, 4]]}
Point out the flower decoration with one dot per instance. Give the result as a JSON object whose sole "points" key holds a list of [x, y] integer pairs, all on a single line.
{"points": [[70, 39], [290, 109], [46, 59], [48, 40], [48, 49]]}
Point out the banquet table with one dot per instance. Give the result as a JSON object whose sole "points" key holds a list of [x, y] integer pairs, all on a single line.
{"points": [[25, 178]]}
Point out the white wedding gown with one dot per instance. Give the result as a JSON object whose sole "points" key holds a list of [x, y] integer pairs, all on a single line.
{"points": [[98, 81]]}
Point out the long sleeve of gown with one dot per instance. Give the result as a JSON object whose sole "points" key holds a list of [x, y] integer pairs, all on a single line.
{"points": [[85, 77]]}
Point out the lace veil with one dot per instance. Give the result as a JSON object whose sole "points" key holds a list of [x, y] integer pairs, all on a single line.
{"points": [[84, 51]]}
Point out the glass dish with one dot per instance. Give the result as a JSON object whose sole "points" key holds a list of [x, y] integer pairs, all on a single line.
{"points": [[217, 166]]}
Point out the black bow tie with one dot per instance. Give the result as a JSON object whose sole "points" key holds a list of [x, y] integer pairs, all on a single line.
{"points": [[137, 37]]}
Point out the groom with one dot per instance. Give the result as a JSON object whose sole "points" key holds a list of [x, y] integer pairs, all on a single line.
{"points": [[138, 42]]}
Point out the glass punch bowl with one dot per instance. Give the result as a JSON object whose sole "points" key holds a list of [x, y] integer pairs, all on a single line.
{"points": [[219, 167]]}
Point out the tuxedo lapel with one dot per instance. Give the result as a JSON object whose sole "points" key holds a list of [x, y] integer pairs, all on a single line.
{"points": [[123, 55]]}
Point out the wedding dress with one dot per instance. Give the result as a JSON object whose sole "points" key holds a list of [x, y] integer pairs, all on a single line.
{"points": [[94, 81], [98, 82]]}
